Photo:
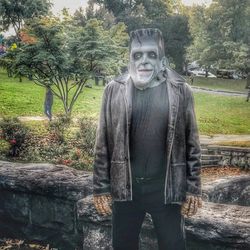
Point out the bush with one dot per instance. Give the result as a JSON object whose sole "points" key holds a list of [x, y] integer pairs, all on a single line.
{"points": [[15, 133], [81, 153], [57, 145], [86, 135], [44, 150], [59, 127]]}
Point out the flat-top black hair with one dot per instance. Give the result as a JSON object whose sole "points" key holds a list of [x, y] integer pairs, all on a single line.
{"points": [[141, 35]]}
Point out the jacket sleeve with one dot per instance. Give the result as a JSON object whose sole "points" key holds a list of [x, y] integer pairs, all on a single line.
{"points": [[193, 148], [101, 167]]}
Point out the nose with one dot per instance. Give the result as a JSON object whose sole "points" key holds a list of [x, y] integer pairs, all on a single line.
{"points": [[144, 58]]}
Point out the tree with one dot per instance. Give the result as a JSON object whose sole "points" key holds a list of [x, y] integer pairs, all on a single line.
{"points": [[176, 36], [162, 14], [221, 34], [64, 57], [197, 27], [15, 13], [81, 16]]}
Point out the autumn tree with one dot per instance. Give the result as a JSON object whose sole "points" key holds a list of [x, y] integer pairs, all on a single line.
{"points": [[64, 57], [15, 13]]}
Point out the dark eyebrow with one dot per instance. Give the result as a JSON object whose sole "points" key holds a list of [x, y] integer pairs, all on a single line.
{"points": [[150, 50]]}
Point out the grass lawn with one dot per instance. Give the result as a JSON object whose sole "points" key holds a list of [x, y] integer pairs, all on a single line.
{"points": [[216, 114], [222, 84], [26, 99], [219, 114]]}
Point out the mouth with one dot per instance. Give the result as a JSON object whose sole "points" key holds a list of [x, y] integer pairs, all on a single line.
{"points": [[145, 70]]}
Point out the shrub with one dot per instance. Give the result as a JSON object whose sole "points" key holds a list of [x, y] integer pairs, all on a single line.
{"points": [[86, 135], [59, 127], [15, 133]]}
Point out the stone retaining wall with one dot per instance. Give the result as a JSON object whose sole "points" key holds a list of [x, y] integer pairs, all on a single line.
{"points": [[232, 156], [38, 202], [53, 204]]}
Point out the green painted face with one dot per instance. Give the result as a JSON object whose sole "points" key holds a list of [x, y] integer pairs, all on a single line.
{"points": [[145, 63]]}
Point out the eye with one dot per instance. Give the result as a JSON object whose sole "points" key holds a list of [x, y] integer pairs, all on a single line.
{"points": [[152, 55], [137, 55]]}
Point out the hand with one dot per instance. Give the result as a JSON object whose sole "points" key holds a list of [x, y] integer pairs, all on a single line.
{"points": [[103, 204], [191, 205]]}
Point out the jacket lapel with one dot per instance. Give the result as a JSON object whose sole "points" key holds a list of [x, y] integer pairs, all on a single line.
{"points": [[173, 95], [129, 95], [173, 98]]}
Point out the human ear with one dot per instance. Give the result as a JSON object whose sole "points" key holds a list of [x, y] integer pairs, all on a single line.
{"points": [[164, 63]]}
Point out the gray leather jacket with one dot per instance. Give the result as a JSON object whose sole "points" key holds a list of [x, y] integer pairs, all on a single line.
{"points": [[112, 170]]}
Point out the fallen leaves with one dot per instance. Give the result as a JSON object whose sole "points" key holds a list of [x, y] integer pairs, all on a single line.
{"points": [[213, 173], [15, 244]]}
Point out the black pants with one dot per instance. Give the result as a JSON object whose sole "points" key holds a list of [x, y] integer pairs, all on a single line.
{"points": [[128, 216]]}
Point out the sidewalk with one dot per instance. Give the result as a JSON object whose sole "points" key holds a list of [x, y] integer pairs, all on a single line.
{"points": [[204, 139], [218, 91], [214, 139]]}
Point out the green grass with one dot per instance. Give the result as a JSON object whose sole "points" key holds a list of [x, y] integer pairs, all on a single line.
{"points": [[220, 84], [26, 99], [216, 114]]}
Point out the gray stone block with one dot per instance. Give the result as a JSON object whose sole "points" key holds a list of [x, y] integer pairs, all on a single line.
{"points": [[52, 213], [15, 206]]}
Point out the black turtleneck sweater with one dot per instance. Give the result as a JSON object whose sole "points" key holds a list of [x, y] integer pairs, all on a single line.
{"points": [[148, 131]]}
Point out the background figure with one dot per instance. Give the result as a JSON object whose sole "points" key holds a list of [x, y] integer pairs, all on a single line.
{"points": [[191, 79], [248, 87], [48, 103]]}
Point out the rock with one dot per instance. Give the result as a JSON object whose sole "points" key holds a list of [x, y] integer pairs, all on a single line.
{"points": [[54, 204], [97, 229], [221, 224], [38, 203], [215, 226], [228, 190], [46, 179]]}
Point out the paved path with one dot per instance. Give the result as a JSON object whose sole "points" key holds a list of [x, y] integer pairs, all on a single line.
{"points": [[32, 118], [36, 118], [205, 139], [218, 92]]}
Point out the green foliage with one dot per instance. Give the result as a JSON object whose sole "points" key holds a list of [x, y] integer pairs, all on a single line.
{"points": [[168, 16], [176, 36], [15, 133], [81, 16], [64, 57], [221, 34], [42, 145], [98, 50], [58, 128], [197, 28], [43, 149], [85, 137], [15, 13]]}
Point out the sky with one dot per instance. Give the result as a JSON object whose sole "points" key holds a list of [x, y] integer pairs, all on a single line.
{"points": [[190, 2], [75, 4], [72, 5]]}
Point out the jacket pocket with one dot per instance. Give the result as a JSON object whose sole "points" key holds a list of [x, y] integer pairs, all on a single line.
{"points": [[179, 183], [118, 179]]}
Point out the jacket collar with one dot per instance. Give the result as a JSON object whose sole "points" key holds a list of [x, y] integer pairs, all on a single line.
{"points": [[172, 77], [173, 81]]}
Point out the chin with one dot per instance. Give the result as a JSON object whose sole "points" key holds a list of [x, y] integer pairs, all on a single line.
{"points": [[142, 84]]}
